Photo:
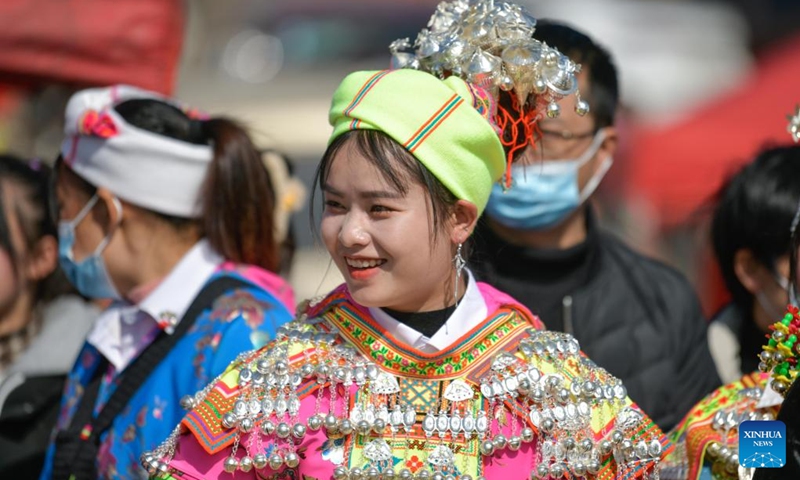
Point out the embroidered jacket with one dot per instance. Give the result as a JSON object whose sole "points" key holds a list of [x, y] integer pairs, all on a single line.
{"points": [[241, 320], [336, 396], [707, 439]]}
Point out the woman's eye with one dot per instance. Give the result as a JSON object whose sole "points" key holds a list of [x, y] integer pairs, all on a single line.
{"points": [[380, 209], [333, 205]]}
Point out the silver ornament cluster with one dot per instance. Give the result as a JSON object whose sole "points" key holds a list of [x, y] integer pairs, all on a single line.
{"points": [[561, 408], [490, 44], [726, 421], [266, 411], [156, 462], [722, 455]]}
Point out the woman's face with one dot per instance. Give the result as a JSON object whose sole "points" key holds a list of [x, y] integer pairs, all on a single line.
{"points": [[773, 297], [381, 239], [71, 198], [22, 265]]}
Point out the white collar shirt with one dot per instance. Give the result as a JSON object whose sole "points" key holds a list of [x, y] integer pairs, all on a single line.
{"points": [[469, 313], [124, 330]]}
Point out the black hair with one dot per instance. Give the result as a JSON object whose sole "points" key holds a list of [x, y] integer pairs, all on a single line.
{"points": [[237, 198], [755, 210], [32, 210], [603, 94], [398, 167]]}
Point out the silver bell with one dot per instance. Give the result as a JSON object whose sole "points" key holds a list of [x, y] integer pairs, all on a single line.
{"points": [[582, 107], [553, 110]]}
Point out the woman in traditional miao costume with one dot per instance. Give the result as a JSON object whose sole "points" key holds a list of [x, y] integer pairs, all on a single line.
{"points": [[707, 440], [352, 389]]}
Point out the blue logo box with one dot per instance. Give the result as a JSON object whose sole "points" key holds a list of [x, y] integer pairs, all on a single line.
{"points": [[762, 444]]}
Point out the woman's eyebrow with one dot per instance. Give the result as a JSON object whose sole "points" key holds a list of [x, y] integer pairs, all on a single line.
{"points": [[373, 194], [369, 194]]}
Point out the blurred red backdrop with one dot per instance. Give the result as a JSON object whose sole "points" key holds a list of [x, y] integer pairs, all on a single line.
{"points": [[91, 42]]}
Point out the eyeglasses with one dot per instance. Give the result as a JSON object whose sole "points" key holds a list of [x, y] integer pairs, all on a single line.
{"points": [[560, 143]]}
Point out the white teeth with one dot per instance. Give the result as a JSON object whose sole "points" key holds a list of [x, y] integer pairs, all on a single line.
{"points": [[363, 263]]}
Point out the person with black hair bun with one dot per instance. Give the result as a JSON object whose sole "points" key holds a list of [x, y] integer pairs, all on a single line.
{"points": [[170, 214], [39, 310], [751, 240]]}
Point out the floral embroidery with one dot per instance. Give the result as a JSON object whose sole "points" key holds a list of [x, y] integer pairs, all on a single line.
{"points": [[241, 304], [141, 417], [414, 464], [394, 358], [484, 103], [333, 450], [130, 434], [158, 408], [107, 461], [197, 358]]}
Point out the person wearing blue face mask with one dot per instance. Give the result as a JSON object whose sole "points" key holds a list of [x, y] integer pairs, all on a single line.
{"points": [[547, 192], [89, 275], [540, 242], [169, 215]]}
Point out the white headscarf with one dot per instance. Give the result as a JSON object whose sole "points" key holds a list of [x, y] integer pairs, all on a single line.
{"points": [[144, 168]]}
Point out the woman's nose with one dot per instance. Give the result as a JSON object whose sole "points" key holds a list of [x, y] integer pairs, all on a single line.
{"points": [[353, 232]]}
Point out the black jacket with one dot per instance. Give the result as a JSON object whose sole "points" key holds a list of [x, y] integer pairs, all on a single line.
{"points": [[637, 318], [28, 416]]}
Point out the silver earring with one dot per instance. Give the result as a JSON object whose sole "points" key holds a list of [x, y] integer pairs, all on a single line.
{"points": [[459, 263]]}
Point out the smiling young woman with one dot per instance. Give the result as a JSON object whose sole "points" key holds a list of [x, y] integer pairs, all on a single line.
{"points": [[374, 191], [411, 369]]}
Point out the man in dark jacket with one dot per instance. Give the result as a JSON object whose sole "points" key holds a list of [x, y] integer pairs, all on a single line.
{"points": [[539, 241]]}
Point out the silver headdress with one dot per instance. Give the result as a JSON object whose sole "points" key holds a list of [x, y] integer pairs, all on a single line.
{"points": [[490, 44], [794, 124]]}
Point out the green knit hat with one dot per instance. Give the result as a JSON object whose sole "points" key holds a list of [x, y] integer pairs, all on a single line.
{"points": [[445, 124]]}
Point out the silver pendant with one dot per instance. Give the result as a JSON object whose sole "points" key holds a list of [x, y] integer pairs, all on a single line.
{"points": [[429, 424], [458, 391], [409, 418], [442, 424], [628, 419], [442, 456], [502, 361], [468, 424], [378, 451], [385, 384]]}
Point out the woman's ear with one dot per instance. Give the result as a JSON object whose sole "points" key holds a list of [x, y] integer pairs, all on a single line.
{"points": [[113, 218], [42, 259], [465, 217], [748, 270]]}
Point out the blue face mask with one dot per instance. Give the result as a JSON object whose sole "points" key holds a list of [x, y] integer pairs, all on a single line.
{"points": [[89, 275], [543, 194]]}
